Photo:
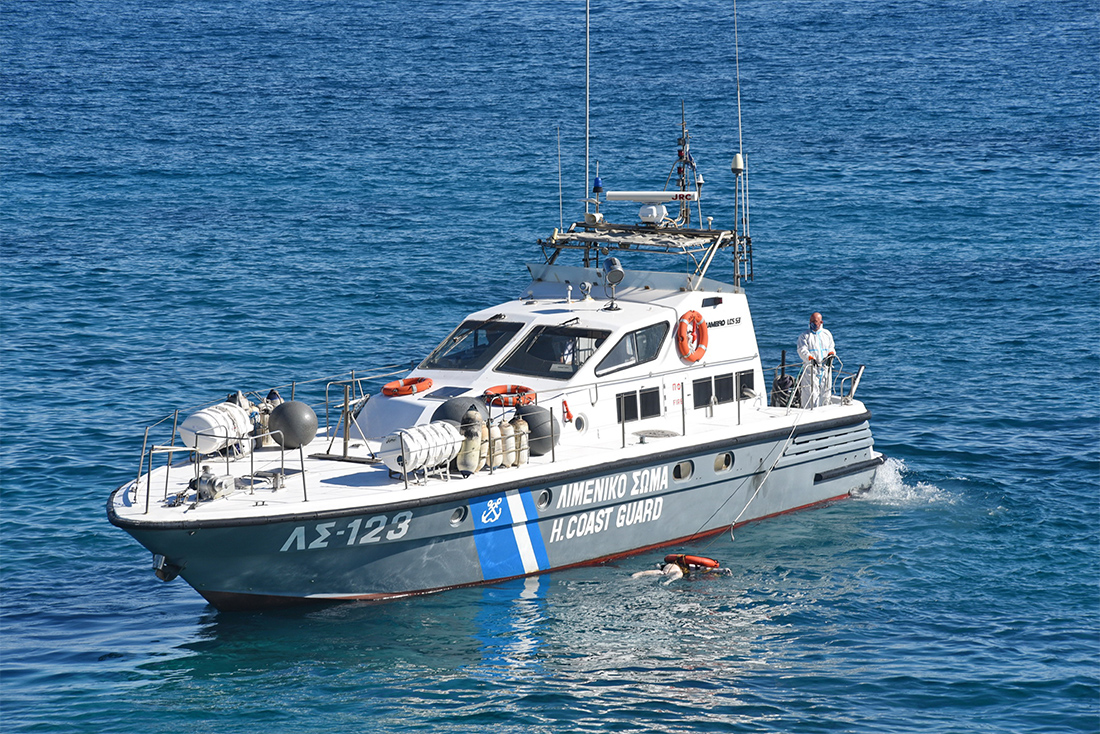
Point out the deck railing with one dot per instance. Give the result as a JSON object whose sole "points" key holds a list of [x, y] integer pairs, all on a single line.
{"points": [[358, 386], [789, 385]]}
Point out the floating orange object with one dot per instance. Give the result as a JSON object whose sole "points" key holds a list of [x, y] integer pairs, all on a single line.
{"points": [[686, 561]]}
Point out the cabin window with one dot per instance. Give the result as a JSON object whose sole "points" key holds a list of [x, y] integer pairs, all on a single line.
{"points": [[630, 406], [637, 347], [702, 390], [626, 407], [650, 402], [745, 385], [472, 345], [722, 388], [556, 352]]}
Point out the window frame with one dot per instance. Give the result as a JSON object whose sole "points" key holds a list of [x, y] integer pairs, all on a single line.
{"points": [[737, 385], [601, 372], [519, 325], [632, 402], [537, 331]]}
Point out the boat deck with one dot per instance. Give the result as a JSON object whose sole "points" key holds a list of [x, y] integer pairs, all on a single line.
{"points": [[314, 482]]}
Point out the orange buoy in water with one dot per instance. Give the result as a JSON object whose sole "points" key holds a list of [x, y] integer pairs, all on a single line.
{"points": [[688, 561]]}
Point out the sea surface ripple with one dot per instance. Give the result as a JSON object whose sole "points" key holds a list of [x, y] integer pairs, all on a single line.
{"points": [[200, 197]]}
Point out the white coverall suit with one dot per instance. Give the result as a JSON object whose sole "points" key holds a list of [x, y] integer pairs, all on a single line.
{"points": [[817, 377]]}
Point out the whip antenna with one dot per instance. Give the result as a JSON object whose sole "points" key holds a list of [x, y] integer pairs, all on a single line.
{"points": [[737, 69], [587, 4], [742, 257], [561, 206]]}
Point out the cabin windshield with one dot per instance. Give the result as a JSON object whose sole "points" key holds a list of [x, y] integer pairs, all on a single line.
{"points": [[472, 345], [556, 352]]}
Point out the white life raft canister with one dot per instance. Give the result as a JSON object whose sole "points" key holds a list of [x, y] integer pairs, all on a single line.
{"points": [[429, 446], [212, 429]]}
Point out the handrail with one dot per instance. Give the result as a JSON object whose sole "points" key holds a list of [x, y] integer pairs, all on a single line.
{"points": [[353, 381], [258, 437], [842, 386]]}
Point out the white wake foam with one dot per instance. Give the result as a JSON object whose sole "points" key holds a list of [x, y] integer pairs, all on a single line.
{"points": [[890, 488]]}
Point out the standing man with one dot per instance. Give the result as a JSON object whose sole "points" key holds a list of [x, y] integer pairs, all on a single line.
{"points": [[817, 349]]}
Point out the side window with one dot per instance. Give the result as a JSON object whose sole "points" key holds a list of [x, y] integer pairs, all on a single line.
{"points": [[626, 406], [649, 402], [637, 347], [722, 388], [649, 341], [630, 406], [745, 385], [702, 390], [622, 355]]}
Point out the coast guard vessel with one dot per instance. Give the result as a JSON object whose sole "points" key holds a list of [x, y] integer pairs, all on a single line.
{"points": [[608, 410]]}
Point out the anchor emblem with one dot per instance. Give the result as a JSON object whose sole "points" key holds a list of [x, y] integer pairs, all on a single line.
{"points": [[492, 511]]}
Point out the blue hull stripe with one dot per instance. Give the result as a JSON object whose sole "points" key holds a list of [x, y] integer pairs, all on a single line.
{"points": [[506, 535]]}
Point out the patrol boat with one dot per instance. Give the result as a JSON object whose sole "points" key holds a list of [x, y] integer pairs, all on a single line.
{"points": [[606, 411]]}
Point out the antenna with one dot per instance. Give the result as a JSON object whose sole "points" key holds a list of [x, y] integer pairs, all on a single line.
{"points": [[737, 69], [587, 15], [561, 206], [742, 258]]}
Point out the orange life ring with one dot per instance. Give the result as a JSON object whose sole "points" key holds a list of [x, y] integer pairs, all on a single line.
{"points": [[408, 386], [509, 395], [691, 336], [699, 561]]}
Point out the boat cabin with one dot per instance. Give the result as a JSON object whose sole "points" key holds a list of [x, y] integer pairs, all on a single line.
{"points": [[599, 357]]}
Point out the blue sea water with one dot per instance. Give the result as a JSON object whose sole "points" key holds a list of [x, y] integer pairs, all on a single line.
{"points": [[199, 197]]}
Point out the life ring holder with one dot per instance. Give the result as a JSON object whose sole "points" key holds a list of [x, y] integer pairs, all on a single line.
{"points": [[692, 324], [408, 386], [509, 395]]}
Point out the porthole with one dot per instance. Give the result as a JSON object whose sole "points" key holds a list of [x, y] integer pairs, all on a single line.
{"points": [[544, 499], [459, 515], [683, 471], [723, 462], [580, 423]]}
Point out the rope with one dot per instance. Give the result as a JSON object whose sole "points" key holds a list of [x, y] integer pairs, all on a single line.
{"points": [[786, 444]]}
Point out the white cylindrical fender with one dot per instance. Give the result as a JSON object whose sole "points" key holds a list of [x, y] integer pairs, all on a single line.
{"points": [[508, 439], [467, 459], [496, 447], [469, 453], [483, 452], [523, 446]]}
